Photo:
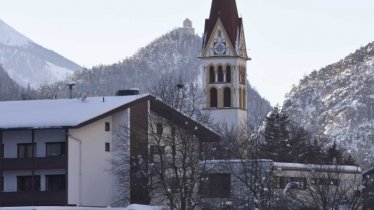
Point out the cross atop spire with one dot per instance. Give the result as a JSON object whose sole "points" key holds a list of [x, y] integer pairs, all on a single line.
{"points": [[227, 11]]}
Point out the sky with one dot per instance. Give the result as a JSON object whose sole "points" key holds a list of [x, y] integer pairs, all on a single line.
{"points": [[287, 39]]}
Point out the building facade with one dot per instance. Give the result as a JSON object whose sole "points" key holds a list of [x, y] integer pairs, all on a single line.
{"points": [[224, 57], [61, 152]]}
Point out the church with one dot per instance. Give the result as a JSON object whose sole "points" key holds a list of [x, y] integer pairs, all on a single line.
{"points": [[224, 57]]}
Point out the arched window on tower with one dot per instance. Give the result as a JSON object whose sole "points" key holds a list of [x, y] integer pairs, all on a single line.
{"points": [[212, 76], [240, 98], [244, 101], [227, 97], [228, 74], [213, 97], [220, 74]]}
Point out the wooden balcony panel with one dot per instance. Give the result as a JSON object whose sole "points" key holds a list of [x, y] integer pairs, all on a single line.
{"points": [[33, 163], [33, 198]]}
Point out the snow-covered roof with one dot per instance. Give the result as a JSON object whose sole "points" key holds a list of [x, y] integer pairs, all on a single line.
{"points": [[300, 166], [59, 112], [131, 207]]}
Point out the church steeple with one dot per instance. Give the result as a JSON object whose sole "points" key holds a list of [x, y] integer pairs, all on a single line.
{"points": [[224, 57], [226, 11]]}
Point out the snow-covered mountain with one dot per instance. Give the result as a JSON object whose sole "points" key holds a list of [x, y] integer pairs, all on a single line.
{"points": [[29, 63], [173, 54], [338, 102]]}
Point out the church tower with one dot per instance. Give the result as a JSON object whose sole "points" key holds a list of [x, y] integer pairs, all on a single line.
{"points": [[224, 57]]}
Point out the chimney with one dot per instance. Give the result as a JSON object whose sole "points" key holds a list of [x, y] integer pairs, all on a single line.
{"points": [[128, 92]]}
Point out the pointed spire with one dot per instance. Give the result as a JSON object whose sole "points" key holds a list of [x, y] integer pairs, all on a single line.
{"points": [[227, 11]]}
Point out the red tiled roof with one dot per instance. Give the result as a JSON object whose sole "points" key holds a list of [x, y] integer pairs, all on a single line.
{"points": [[228, 12]]}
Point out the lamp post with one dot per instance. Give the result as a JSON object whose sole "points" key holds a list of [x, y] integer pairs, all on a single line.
{"points": [[70, 85]]}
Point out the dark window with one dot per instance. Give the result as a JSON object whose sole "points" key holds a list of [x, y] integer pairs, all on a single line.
{"points": [[243, 99], [220, 74], [215, 186], [156, 151], [159, 128], [174, 185], [2, 151], [24, 183], [240, 99], [324, 181], [213, 97], [227, 97], [55, 149], [1, 183], [55, 183], [107, 126], [107, 147], [25, 150], [212, 76], [172, 131], [281, 182], [228, 74]]}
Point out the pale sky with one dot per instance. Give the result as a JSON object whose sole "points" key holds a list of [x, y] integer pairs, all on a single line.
{"points": [[287, 38]]}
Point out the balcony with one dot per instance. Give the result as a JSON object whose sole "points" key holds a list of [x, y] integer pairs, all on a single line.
{"points": [[33, 198], [33, 163]]}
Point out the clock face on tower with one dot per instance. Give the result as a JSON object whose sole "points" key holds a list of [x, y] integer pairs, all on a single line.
{"points": [[219, 48]]}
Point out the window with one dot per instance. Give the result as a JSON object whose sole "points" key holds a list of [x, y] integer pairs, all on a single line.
{"points": [[281, 182], [156, 150], [213, 97], [160, 129], [24, 183], [25, 150], [227, 97], [55, 149], [55, 183], [220, 74], [215, 186], [107, 126], [212, 76], [243, 99], [107, 147], [1, 184], [240, 99], [324, 181], [228, 74], [2, 151]]}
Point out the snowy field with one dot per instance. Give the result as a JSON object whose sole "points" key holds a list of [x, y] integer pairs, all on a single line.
{"points": [[131, 207]]}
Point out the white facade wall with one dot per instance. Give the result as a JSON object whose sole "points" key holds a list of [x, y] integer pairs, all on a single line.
{"points": [[89, 169], [91, 180]]}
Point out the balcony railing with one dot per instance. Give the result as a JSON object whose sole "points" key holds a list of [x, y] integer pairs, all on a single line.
{"points": [[33, 163], [33, 198]]}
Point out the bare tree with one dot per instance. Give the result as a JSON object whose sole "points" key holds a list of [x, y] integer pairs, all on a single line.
{"points": [[328, 187], [175, 149], [251, 177]]}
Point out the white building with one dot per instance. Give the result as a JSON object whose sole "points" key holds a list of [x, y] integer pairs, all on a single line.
{"points": [[59, 152]]}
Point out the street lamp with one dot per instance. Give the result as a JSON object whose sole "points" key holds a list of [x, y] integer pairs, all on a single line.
{"points": [[70, 85]]}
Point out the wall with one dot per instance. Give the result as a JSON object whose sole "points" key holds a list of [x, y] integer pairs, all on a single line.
{"points": [[89, 168]]}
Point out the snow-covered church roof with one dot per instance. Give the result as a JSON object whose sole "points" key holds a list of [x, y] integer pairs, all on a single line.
{"points": [[59, 112]]}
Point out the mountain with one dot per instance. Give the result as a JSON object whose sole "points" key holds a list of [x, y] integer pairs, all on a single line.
{"points": [[337, 102], [10, 90], [29, 63], [173, 54]]}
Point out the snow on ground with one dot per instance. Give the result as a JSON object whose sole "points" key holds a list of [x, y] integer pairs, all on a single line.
{"points": [[131, 207], [143, 207]]}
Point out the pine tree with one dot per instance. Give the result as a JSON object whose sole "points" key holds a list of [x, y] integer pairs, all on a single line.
{"points": [[276, 146]]}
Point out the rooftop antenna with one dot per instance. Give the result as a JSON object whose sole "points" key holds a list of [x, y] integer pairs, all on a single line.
{"points": [[70, 85]]}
